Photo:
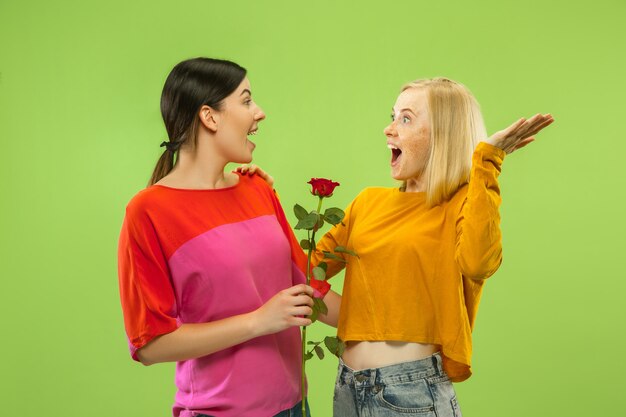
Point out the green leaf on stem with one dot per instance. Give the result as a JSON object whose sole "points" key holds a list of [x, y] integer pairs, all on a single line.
{"points": [[329, 255], [305, 244], [334, 215], [320, 222], [334, 345], [332, 219], [308, 355], [319, 273], [316, 312], [320, 305], [323, 265], [320, 352], [300, 211], [308, 222], [341, 249]]}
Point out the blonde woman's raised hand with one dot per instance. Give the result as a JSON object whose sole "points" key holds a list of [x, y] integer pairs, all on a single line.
{"points": [[254, 169], [520, 133]]}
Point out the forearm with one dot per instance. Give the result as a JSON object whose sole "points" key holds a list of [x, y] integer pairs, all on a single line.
{"points": [[333, 302], [287, 308], [195, 340]]}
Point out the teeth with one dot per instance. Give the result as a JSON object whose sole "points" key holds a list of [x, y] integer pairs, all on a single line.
{"points": [[390, 146], [252, 133]]}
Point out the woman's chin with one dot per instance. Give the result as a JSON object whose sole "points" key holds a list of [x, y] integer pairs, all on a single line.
{"points": [[242, 160], [397, 175]]}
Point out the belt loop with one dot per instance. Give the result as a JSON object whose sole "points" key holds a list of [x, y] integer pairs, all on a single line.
{"points": [[436, 364], [345, 373]]}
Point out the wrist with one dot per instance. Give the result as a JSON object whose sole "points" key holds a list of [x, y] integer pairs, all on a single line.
{"points": [[253, 324], [488, 150]]}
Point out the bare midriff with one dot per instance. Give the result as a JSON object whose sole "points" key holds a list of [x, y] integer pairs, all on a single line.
{"points": [[367, 355]]}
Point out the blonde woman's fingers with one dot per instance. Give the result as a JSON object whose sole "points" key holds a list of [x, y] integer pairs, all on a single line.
{"points": [[533, 125], [545, 123], [514, 127], [523, 143]]}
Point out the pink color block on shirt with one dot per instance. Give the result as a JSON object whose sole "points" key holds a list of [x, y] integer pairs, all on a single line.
{"points": [[229, 270]]}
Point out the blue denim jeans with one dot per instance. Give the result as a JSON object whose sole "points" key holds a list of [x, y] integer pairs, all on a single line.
{"points": [[295, 411], [418, 388]]}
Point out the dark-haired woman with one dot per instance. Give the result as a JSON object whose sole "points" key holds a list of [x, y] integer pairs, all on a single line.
{"points": [[211, 275]]}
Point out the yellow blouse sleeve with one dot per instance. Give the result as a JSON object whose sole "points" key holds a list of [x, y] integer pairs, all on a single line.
{"points": [[478, 237]]}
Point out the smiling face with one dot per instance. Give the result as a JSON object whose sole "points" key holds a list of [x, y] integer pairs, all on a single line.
{"points": [[408, 135], [238, 118]]}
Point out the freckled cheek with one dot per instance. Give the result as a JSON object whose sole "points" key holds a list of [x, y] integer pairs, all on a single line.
{"points": [[417, 151]]}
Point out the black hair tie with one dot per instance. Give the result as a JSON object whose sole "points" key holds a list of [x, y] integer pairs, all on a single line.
{"points": [[168, 145]]}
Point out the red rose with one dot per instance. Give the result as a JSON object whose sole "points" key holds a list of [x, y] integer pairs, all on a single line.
{"points": [[322, 187]]}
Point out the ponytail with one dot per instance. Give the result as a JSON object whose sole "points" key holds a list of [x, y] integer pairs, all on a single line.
{"points": [[163, 166], [166, 162]]}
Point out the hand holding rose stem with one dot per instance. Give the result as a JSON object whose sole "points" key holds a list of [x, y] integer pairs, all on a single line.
{"points": [[308, 282], [312, 222]]}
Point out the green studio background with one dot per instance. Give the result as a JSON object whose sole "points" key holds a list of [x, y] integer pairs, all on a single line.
{"points": [[80, 127]]}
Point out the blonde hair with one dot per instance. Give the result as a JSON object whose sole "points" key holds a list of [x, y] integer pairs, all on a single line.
{"points": [[456, 127]]}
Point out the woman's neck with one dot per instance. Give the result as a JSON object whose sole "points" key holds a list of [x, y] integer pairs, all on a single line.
{"points": [[414, 185], [199, 169]]}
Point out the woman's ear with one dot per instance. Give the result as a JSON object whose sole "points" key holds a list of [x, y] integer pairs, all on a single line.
{"points": [[209, 118]]}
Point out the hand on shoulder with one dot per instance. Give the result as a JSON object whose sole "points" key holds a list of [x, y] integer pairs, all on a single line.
{"points": [[252, 169]]}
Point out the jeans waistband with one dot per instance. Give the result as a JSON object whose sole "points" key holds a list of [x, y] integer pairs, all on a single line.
{"points": [[393, 374]]}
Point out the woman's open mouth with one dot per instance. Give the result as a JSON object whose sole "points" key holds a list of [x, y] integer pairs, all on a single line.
{"points": [[252, 133], [396, 154]]}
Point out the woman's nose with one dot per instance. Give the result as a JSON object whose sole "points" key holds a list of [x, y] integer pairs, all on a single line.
{"points": [[389, 130]]}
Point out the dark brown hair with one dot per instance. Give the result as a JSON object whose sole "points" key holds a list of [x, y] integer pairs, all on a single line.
{"points": [[190, 85]]}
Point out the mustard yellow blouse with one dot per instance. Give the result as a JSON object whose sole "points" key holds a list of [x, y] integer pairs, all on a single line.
{"points": [[420, 271]]}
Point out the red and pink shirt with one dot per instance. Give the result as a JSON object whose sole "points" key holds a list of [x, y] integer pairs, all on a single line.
{"points": [[195, 256]]}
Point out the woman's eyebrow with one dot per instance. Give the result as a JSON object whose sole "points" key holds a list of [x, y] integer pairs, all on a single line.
{"points": [[404, 109], [245, 91]]}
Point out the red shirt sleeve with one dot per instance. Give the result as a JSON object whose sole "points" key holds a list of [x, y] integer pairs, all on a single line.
{"points": [[146, 292]]}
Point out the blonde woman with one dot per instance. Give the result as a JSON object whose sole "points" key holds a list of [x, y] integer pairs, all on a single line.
{"points": [[425, 249]]}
